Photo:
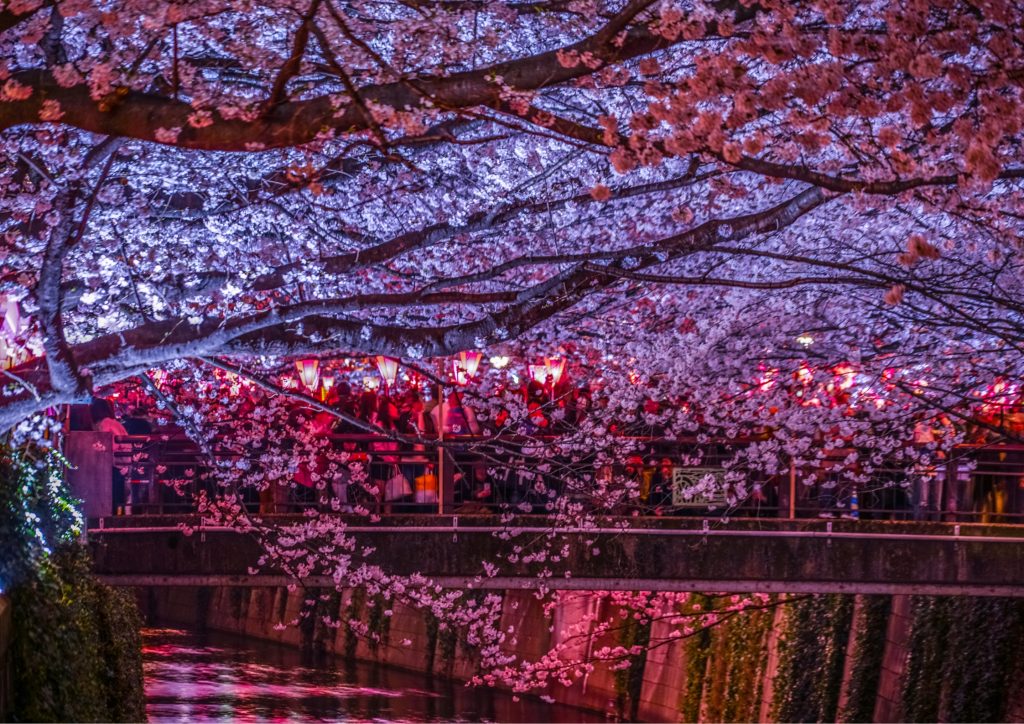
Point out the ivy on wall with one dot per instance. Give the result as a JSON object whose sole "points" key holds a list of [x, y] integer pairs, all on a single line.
{"points": [[378, 623], [76, 647], [870, 623], [961, 656], [745, 658], [441, 645], [629, 681], [725, 667], [696, 651], [928, 646], [812, 652], [353, 612]]}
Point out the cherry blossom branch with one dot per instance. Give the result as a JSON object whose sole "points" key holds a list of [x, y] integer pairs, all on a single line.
{"points": [[64, 372], [294, 61], [291, 123]]}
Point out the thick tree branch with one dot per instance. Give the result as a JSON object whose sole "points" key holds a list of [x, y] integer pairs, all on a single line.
{"points": [[293, 123]]}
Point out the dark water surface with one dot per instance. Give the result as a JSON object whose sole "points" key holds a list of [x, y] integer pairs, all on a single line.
{"points": [[193, 677]]}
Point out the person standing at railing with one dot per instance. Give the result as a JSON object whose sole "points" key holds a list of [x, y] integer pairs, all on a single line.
{"points": [[103, 420], [384, 469], [138, 423], [414, 462], [660, 496], [459, 419], [309, 475]]}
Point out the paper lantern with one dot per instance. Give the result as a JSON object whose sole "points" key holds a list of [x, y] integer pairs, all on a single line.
{"points": [[555, 366], [388, 368], [470, 362], [309, 372], [465, 367]]}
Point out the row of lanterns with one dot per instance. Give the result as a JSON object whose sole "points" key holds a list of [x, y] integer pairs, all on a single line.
{"points": [[464, 369]]}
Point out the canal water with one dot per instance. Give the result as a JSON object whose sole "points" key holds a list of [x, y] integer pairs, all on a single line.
{"points": [[194, 677]]}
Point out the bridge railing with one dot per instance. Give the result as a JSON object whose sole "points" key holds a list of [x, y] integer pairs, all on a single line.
{"points": [[165, 473]]}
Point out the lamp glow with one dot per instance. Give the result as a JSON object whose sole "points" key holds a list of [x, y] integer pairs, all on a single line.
{"points": [[555, 367], [465, 367], [309, 372], [470, 362], [388, 368]]}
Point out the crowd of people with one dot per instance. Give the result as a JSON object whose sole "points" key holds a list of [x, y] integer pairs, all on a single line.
{"points": [[391, 439]]}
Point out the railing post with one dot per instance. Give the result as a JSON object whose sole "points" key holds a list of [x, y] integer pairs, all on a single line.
{"points": [[445, 477], [792, 489], [445, 482], [952, 491]]}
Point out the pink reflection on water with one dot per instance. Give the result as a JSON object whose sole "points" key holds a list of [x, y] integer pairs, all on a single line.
{"points": [[196, 678], [189, 680]]}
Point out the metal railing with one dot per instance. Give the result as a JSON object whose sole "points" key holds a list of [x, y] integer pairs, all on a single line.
{"points": [[166, 472]]}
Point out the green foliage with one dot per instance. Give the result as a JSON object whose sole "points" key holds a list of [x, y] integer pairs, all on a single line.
{"points": [[629, 681], [725, 666], [441, 644], [812, 651], [961, 655], [353, 612], [36, 512], [378, 623], [76, 648], [697, 652], [928, 647], [744, 658], [870, 623], [432, 631], [121, 645]]}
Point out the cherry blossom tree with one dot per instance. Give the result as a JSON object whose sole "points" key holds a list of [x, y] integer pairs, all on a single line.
{"points": [[793, 223]]}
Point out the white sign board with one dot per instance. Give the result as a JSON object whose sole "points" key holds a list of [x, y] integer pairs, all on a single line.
{"points": [[685, 480]]}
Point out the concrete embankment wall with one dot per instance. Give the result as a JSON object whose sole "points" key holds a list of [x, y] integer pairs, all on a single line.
{"points": [[838, 658]]}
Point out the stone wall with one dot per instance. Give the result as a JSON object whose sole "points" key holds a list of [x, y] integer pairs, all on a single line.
{"points": [[412, 640]]}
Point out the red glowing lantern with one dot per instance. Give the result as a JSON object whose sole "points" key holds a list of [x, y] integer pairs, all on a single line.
{"points": [[12, 320], [309, 372], [388, 368], [465, 367], [326, 383], [555, 367]]}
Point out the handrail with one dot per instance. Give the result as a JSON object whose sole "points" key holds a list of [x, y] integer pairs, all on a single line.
{"points": [[172, 435], [670, 532]]}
